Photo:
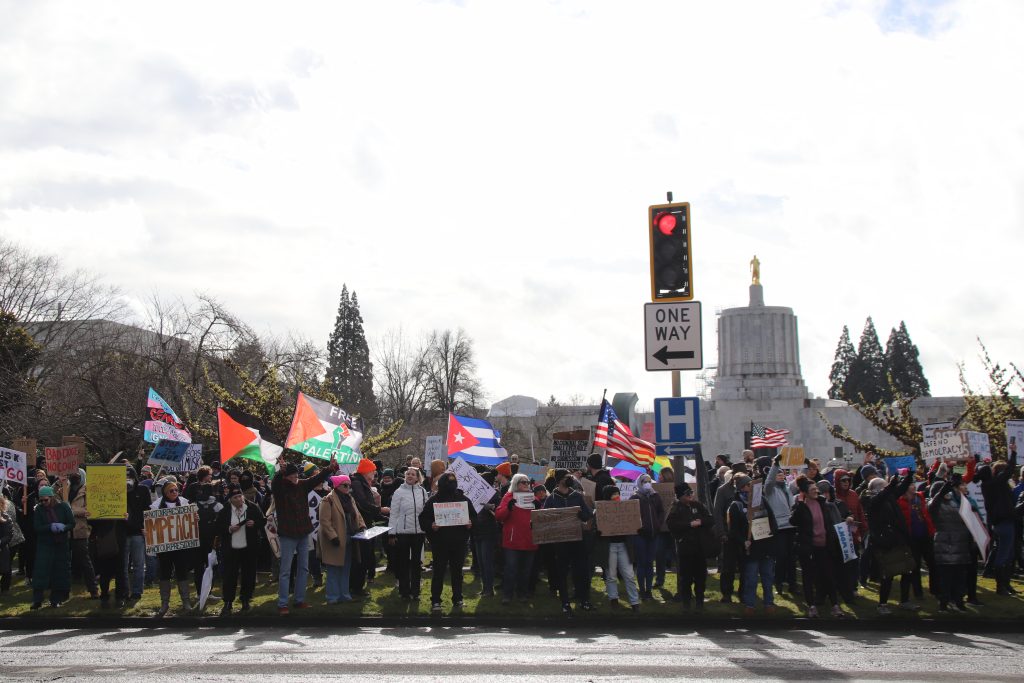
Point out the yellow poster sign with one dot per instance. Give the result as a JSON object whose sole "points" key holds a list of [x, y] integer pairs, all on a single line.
{"points": [[106, 493]]}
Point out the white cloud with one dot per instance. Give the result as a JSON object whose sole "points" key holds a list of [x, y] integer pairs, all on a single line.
{"points": [[489, 166]]}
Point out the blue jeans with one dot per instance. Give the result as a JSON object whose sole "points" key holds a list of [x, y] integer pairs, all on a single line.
{"points": [[336, 585], [289, 548], [619, 565], [1003, 532], [753, 566], [644, 550], [135, 555], [484, 549], [518, 564]]}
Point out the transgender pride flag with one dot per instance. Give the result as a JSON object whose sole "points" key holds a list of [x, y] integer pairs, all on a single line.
{"points": [[474, 440]]}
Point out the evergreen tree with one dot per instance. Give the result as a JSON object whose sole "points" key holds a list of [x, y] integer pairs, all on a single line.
{"points": [[349, 370], [867, 381], [845, 356], [903, 365]]}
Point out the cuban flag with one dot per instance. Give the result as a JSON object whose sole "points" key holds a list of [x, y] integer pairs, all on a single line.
{"points": [[474, 440]]}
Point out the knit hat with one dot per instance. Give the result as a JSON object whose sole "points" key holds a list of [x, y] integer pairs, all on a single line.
{"points": [[46, 492], [504, 469], [290, 469], [595, 461], [867, 471], [437, 468], [739, 481], [824, 487], [147, 469], [683, 489], [234, 490], [307, 467], [366, 466], [388, 473], [339, 479]]}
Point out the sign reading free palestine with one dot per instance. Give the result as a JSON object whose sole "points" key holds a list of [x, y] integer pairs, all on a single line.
{"points": [[320, 430]]}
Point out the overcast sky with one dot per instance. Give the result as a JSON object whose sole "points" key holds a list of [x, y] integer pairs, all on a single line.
{"points": [[488, 165]]}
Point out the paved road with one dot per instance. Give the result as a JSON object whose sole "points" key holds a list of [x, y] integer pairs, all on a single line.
{"points": [[474, 654]]}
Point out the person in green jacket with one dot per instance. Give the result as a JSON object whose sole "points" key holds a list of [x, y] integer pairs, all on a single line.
{"points": [[53, 524]]}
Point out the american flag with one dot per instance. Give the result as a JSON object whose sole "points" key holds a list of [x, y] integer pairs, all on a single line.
{"points": [[766, 437], [618, 440]]}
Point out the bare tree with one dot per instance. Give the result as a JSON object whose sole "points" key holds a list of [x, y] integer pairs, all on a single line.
{"points": [[400, 375], [452, 384]]}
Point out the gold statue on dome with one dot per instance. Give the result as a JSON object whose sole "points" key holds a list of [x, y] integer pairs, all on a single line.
{"points": [[755, 271]]}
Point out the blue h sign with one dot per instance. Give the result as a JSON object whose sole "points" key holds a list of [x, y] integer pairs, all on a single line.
{"points": [[677, 420]]}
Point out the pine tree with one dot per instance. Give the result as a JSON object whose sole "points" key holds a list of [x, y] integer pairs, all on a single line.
{"points": [[845, 356], [903, 364], [867, 381], [349, 370]]}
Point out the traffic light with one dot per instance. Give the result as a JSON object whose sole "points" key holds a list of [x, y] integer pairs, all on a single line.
{"points": [[671, 268]]}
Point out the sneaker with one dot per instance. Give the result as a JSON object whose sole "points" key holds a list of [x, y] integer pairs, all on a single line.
{"points": [[586, 606], [884, 610], [838, 612], [566, 609], [812, 612], [435, 607], [635, 608], [282, 611], [225, 610], [912, 606], [961, 606], [975, 602], [458, 604]]}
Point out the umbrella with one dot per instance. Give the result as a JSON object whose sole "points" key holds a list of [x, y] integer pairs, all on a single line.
{"points": [[207, 585]]}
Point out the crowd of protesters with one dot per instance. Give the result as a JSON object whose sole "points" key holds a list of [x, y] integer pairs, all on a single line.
{"points": [[760, 523]]}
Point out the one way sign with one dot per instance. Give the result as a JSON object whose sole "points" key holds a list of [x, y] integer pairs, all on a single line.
{"points": [[672, 336]]}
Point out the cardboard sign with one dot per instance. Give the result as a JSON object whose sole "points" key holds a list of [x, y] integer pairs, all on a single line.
{"points": [[452, 514], [666, 490], [569, 450], [846, 541], [760, 528], [78, 441], [434, 450], [106, 494], [618, 517], [193, 459], [473, 486], [589, 490], [977, 528], [537, 473], [168, 454], [792, 458], [525, 500], [170, 529], [27, 446], [61, 461], [556, 525], [13, 466], [945, 445]]}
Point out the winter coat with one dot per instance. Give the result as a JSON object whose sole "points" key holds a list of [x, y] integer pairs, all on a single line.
{"points": [[486, 524], [723, 499], [997, 493], [652, 513], [738, 526], [886, 526], [139, 500], [573, 499], [449, 536], [516, 533], [952, 544], [365, 502], [925, 515], [853, 504], [692, 541], [333, 524], [601, 479], [803, 521], [291, 502], [406, 504], [76, 499], [53, 551], [777, 496], [252, 534]]}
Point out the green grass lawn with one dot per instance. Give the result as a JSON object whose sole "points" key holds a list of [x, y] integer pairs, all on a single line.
{"points": [[384, 601]]}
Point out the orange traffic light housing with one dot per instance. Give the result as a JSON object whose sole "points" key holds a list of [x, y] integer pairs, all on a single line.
{"points": [[668, 227]]}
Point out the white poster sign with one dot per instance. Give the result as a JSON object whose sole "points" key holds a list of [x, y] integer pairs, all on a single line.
{"points": [[977, 528], [627, 489], [930, 429], [451, 514], [760, 528], [979, 445], [13, 466], [846, 541], [434, 450], [1014, 434], [945, 446], [473, 486], [525, 500]]}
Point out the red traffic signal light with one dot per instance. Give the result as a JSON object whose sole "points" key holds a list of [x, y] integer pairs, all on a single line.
{"points": [[671, 269]]}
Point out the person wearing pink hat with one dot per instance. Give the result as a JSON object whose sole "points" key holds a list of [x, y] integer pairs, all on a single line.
{"points": [[339, 520]]}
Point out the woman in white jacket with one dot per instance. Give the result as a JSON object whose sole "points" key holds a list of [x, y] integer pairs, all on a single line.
{"points": [[406, 534]]}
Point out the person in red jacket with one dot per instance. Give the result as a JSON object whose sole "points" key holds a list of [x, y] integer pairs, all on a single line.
{"points": [[919, 522], [516, 540]]}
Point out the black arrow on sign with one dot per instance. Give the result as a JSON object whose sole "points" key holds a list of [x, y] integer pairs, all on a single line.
{"points": [[663, 354]]}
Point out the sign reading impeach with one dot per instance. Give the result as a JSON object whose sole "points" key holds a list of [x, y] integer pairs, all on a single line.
{"points": [[170, 529]]}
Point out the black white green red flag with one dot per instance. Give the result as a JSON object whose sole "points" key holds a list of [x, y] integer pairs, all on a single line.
{"points": [[321, 430], [245, 436]]}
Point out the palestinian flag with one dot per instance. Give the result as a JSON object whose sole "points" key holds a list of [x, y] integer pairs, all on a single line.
{"points": [[320, 430], [245, 436]]}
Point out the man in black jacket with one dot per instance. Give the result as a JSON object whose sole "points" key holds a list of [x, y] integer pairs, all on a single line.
{"points": [[368, 503], [238, 527], [139, 500], [995, 487]]}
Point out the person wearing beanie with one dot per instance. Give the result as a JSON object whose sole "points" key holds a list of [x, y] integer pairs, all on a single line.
{"points": [[291, 503], [570, 555], [448, 543], [368, 502], [652, 514], [889, 536], [777, 496], [922, 529], [238, 527], [516, 541], [1001, 518], [952, 546], [859, 526], [692, 528], [339, 520], [405, 539], [176, 563], [814, 519], [729, 555], [52, 521], [71, 489], [619, 564]]}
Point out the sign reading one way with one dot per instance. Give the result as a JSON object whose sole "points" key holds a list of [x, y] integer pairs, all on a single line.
{"points": [[672, 336]]}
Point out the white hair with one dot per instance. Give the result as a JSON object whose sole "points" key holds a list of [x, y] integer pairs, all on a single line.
{"points": [[516, 478]]}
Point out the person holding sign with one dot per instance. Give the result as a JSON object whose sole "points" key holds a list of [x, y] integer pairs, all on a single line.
{"points": [[999, 504], [238, 526], [814, 519], [952, 547], [619, 561], [53, 522], [516, 541], [889, 536], [176, 563], [448, 543], [692, 527], [570, 554], [753, 529]]}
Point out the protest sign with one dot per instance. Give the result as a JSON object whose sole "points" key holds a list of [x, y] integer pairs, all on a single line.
{"points": [[627, 489], [945, 445], [168, 454], [13, 466], [979, 444], [569, 450], [894, 465], [929, 429], [192, 460], [107, 496], [556, 525], [524, 500], [452, 514], [756, 491], [473, 486], [1014, 435], [974, 491], [667, 492], [371, 533], [793, 458], [618, 517], [977, 528], [61, 461], [170, 529], [760, 528], [313, 499], [434, 450], [536, 473], [846, 541], [27, 446], [589, 490], [77, 441]]}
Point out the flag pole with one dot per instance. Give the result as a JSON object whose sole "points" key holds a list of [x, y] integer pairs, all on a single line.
{"points": [[600, 408]]}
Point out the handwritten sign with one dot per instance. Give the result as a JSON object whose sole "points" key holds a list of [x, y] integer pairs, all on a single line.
{"points": [[61, 461], [793, 457], [473, 486], [434, 450], [760, 528], [1014, 435], [569, 450], [627, 489], [168, 454], [170, 529], [556, 525], [524, 500], [13, 466], [929, 430], [618, 517], [107, 495], [27, 446], [846, 541], [979, 444], [945, 445], [451, 514], [193, 459]]}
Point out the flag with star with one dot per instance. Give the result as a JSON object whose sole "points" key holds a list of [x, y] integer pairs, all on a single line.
{"points": [[321, 429], [474, 440]]}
